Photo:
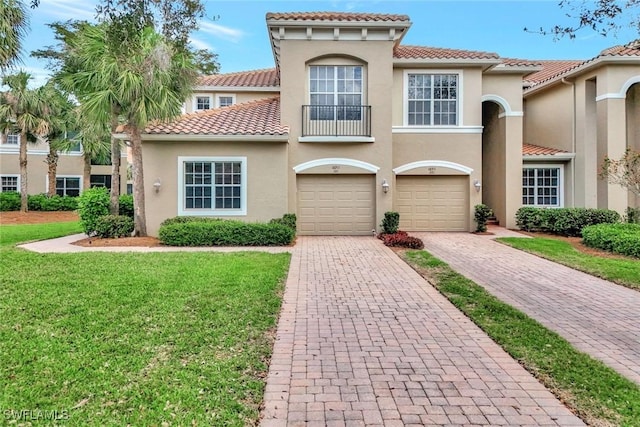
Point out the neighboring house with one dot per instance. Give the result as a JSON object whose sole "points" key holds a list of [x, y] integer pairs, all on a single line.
{"points": [[351, 124], [69, 176]]}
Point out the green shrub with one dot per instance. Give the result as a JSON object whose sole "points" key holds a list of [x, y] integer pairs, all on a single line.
{"points": [[563, 221], [390, 222], [112, 226], [9, 201], [619, 238], [92, 204], [632, 215], [126, 205], [289, 219], [42, 202], [482, 215], [184, 219], [217, 232]]}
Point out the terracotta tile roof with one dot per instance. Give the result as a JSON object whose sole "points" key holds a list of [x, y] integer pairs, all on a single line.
{"points": [[261, 117], [337, 16], [536, 150], [630, 49], [267, 77], [550, 70], [516, 62], [425, 52]]}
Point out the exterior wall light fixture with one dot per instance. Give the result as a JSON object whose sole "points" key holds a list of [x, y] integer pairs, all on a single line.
{"points": [[157, 184], [385, 186], [477, 185]]}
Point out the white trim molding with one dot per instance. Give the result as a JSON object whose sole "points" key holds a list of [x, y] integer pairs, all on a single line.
{"points": [[336, 161], [623, 90], [508, 112], [436, 129], [182, 211], [433, 164]]}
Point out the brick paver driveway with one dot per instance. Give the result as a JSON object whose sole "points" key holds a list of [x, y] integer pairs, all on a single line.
{"points": [[364, 340], [596, 316]]}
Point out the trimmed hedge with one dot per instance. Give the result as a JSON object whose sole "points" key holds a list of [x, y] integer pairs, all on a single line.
{"points": [[290, 220], [563, 221], [401, 239], [622, 239], [112, 226], [9, 201], [126, 205], [218, 232], [93, 204]]}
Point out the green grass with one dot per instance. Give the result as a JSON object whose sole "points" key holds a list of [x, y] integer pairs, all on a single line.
{"points": [[593, 390], [12, 234], [625, 272], [140, 339]]}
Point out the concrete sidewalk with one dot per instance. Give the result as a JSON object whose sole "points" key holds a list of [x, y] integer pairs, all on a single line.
{"points": [[596, 316], [65, 245], [363, 340]]}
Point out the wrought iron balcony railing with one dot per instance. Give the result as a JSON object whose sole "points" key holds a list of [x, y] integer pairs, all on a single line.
{"points": [[336, 120]]}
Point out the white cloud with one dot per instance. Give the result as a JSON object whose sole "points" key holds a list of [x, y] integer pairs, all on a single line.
{"points": [[199, 44], [68, 9], [220, 31]]}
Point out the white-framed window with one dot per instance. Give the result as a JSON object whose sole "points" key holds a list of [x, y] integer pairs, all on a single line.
{"points": [[542, 185], [212, 186], [9, 183], [11, 139], [67, 185], [432, 98], [202, 102], [225, 100], [336, 92]]}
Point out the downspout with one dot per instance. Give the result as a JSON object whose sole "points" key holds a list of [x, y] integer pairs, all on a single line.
{"points": [[573, 139]]}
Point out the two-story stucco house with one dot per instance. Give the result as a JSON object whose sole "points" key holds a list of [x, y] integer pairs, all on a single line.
{"points": [[351, 123]]}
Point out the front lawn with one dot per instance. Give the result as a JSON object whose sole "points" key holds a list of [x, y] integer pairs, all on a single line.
{"points": [[135, 339], [595, 392], [625, 272]]}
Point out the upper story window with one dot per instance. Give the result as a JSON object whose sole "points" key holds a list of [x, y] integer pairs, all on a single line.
{"points": [[9, 183], [432, 99], [12, 139], [202, 102], [225, 100], [335, 92]]}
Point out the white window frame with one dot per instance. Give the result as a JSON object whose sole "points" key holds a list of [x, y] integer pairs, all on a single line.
{"points": [[183, 211], [46, 181], [336, 94], [10, 176], [560, 168], [5, 140], [225, 95], [459, 98], [202, 95]]}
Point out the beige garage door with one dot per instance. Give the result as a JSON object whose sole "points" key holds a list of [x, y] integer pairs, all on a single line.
{"points": [[336, 204], [432, 203]]}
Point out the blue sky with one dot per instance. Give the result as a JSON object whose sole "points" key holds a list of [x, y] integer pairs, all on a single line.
{"points": [[236, 30]]}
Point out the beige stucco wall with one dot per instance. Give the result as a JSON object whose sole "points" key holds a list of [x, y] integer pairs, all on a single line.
{"points": [[266, 177], [376, 59], [494, 161], [548, 118], [68, 165]]}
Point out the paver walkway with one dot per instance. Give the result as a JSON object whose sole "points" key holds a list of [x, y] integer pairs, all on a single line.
{"points": [[594, 315], [364, 340]]}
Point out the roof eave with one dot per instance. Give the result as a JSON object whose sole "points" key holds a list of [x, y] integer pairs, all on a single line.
{"points": [[604, 60], [515, 69], [216, 137], [548, 157]]}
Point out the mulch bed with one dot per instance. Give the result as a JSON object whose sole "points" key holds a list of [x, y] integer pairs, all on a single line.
{"points": [[147, 242]]}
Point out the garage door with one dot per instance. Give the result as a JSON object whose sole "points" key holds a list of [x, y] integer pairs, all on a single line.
{"points": [[432, 203], [336, 204]]}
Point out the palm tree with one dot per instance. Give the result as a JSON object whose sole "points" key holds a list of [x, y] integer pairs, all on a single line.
{"points": [[23, 111], [146, 80], [13, 28]]}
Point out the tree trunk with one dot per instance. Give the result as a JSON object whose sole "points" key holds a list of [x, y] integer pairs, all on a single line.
{"points": [[52, 163], [24, 201], [86, 171], [139, 216], [116, 160]]}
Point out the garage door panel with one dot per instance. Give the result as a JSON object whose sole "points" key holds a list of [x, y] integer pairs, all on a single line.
{"points": [[432, 203], [341, 204]]}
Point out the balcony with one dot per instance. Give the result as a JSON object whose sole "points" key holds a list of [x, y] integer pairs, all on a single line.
{"points": [[336, 121]]}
